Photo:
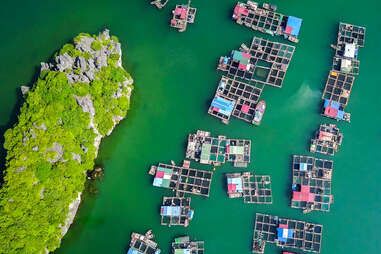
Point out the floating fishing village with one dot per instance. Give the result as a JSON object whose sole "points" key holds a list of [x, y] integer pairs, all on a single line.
{"points": [[246, 71]]}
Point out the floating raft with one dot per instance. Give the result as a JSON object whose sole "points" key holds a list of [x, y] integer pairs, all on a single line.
{"points": [[217, 150], [265, 61], [182, 15], [266, 20], [286, 233], [235, 98], [183, 245], [311, 184], [159, 3], [326, 140], [143, 244], [176, 211], [345, 65], [182, 179], [252, 188]]}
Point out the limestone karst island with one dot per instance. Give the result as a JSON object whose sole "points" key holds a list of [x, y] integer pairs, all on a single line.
{"points": [[190, 127]]}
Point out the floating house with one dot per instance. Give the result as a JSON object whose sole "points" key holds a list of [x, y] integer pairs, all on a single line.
{"points": [[311, 184], [286, 233], [183, 245], [265, 61], [332, 109], [217, 150], [182, 179], [240, 100], [176, 211], [266, 20], [326, 140], [182, 15], [252, 188], [143, 244]]}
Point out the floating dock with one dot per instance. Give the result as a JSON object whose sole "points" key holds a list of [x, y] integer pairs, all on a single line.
{"points": [[266, 20], [217, 150], [252, 188], [182, 179], [143, 244], [311, 184], [183, 245], [344, 68], [265, 61], [286, 233], [176, 211], [326, 140], [159, 3], [235, 98], [182, 15]]}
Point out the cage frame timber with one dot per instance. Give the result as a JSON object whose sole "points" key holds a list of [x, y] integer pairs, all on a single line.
{"points": [[256, 189], [317, 175], [240, 93], [264, 19], [307, 236], [349, 33], [268, 57], [323, 146], [338, 87], [186, 180], [185, 209], [143, 243], [219, 147], [195, 247]]}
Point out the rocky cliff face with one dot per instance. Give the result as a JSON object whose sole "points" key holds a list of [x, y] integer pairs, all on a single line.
{"points": [[77, 100]]}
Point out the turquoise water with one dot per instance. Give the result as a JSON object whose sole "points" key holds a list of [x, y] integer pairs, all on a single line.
{"points": [[175, 79]]}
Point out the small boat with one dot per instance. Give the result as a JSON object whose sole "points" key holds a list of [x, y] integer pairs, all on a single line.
{"points": [[259, 111]]}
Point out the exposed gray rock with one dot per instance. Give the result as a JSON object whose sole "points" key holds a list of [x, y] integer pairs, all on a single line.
{"points": [[74, 78], [35, 148], [84, 149], [64, 62], [42, 193], [21, 169], [80, 63], [86, 104], [57, 147], [46, 66], [41, 127], [76, 157], [24, 89], [73, 207], [84, 44]]}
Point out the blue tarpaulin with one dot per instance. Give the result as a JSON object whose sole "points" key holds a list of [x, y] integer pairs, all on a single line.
{"points": [[340, 114], [326, 103], [224, 106], [133, 251], [170, 211], [335, 105], [284, 234], [295, 23]]}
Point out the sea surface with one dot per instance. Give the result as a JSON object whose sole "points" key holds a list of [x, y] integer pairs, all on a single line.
{"points": [[175, 79]]}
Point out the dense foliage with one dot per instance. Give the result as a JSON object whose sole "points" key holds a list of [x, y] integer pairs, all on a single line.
{"points": [[41, 180]]}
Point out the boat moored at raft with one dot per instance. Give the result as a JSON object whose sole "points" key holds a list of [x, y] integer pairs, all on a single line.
{"points": [[259, 111]]}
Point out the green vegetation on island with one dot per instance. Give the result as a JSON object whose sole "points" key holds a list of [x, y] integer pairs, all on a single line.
{"points": [[77, 100]]}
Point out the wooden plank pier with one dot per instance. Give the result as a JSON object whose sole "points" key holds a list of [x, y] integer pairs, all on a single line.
{"points": [[217, 150], [286, 233], [311, 184], [255, 189]]}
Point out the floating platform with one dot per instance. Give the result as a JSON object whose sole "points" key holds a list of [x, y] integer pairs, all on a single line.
{"points": [[235, 98], [333, 109], [252, 188], [265, 61], [183, 245], [326, 140], [286, 233], [349, 33], [182, 15], [311, 184], [160, 3], [143, 244], [338, 87], [182, 179], [217, 150], [176, 211], [266, 20]]}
